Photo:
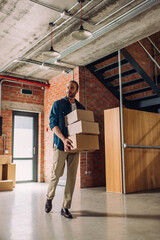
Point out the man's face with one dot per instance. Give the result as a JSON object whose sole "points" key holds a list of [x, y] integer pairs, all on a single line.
{"points": [[71, 90]]}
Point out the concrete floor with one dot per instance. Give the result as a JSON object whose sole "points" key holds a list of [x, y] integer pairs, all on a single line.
{"points": [[97, 215]]}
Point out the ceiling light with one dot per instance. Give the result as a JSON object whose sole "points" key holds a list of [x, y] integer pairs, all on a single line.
{"points": [[51, 53], [81, 33]]}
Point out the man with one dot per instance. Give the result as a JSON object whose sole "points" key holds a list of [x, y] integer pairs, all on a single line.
{"points": [[61, 149]]}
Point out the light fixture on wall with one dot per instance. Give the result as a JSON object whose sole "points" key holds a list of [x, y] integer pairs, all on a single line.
{"points": [[81, 33], [51, 53]]}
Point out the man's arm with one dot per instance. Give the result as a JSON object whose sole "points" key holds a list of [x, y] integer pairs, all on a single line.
{"points": [[67, 142]]}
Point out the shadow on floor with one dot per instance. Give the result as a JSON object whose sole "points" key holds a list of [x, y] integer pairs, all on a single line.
{"points": [[86, 213]]}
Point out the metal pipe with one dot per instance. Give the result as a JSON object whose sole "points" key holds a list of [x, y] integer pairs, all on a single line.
{"points": [[5, 148], [149, 54], [153, 44], [9, 65], [155, 68], [45, 64], [73, 6], [140, 146], [110, 15], [108, 27], [83, 20], [24, 81], [121, 121]]}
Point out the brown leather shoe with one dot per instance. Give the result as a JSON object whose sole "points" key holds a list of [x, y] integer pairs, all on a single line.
{"points": [[65, 212]]}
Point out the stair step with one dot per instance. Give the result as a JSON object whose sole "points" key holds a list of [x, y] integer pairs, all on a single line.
{"points": [[144, 98], [130, 83], [145, 89], [110, 66], [103, 59], [124, 74]]}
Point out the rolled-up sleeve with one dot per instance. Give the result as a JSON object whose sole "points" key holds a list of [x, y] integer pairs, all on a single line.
{"points": [[54, 120]]}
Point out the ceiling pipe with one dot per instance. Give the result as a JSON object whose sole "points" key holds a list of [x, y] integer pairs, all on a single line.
{"points": [[109, 26], [62, 12], [110, 15], [34, 45], [49, 65], [25, 81], [99, 32]]}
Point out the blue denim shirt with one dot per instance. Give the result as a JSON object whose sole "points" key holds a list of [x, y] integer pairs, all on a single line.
{"points": [[59, 110]]}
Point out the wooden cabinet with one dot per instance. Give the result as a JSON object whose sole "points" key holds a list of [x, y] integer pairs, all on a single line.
{"points": [[142, 166]]}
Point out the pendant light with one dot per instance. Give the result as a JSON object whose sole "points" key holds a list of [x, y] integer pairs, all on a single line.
{"points": [[51, 53], [81, 33]]}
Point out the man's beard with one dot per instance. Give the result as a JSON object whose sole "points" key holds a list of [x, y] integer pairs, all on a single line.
{"points": [[70, 95]]}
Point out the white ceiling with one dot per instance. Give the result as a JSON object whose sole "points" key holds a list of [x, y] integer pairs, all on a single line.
{"points": [[25, 32]]}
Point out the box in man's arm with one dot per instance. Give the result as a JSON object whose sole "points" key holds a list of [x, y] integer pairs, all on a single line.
{"points": [[83, 127], [84, 142], [79, 114]]}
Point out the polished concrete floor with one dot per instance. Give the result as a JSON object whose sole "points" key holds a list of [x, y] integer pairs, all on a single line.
{"points": [[97, 215]]}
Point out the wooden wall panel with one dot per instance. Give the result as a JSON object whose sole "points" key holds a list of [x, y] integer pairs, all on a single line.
{"points": [[142, 166], [112, 150], [141, 128], [142, 169]]}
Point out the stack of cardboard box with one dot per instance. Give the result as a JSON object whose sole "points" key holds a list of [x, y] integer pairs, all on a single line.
{"points": [[7, 173], [82, 130]]}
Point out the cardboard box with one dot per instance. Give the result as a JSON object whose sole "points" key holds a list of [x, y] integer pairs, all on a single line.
{"points": [[1, 172], [5, 159], [6, 185], [78, 115], [9, 172], [84, 142], [83, 127]]}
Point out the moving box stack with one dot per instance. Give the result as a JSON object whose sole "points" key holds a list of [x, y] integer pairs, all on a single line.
{"points": [[7, 173], [82, 130]]}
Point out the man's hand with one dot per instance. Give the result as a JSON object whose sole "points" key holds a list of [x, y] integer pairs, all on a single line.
{"points": [[67, 144]]}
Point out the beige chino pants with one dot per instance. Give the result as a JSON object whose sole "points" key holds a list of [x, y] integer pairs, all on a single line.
{"points": [[59, 158]]}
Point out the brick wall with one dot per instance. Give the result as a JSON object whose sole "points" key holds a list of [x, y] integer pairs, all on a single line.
{"points": [[12, 99]]}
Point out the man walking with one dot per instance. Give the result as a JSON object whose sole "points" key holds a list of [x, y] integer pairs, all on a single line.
{"points": [[61, 149]]}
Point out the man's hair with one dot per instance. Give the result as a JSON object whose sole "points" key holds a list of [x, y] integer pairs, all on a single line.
{"points": [[75, 83]]}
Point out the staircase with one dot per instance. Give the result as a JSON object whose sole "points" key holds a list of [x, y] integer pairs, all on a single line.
{"points": [[139, 90]]}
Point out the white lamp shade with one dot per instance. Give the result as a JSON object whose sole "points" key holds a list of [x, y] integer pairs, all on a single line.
{"points": [[81, 34], [52, 53]]}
